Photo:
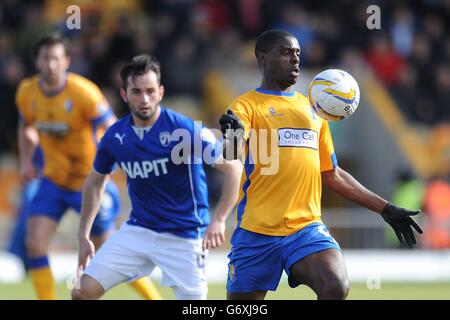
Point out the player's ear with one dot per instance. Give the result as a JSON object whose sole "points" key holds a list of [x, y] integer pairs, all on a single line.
{"points": [[67, 62], [261, 60], [161, 92], [123, 94]]}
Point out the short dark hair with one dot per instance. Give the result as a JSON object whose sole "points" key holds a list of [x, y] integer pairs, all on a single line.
{"points": [[269, 39], [138, 66], [50, 40]]}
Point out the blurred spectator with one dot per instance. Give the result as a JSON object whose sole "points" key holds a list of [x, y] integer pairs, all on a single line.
{"points": [[79, 63], [433, 26], [442, 97], [295, 20], [385, 61], [184, 70], [409, 193], [352, 60], [402, 30], [316, 56], [437, 210], [407, 91], [13, 72]]}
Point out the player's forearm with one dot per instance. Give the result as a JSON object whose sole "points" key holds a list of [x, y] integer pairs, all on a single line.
{"points": [[108, 122], [230, 189], [348, 187], [92, 193], [232, 148], [28, 141]]}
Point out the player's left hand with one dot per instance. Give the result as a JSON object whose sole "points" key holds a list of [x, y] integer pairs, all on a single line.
{"points": [[215, 234], [86, 251], [400, 220]]}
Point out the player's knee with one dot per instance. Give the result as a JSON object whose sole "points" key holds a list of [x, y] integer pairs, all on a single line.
{"points": [[79, 294], [200, 294], [336, 289], [87, 288], [84, 294], [36, 245]]}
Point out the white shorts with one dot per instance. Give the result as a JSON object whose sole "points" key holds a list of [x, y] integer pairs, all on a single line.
{"points": [[133, 252]]}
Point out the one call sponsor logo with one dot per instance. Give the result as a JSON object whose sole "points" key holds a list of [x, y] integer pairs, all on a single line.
{"points": [[298, 138]]}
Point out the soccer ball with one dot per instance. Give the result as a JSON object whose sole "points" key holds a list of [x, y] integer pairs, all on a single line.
{"points": [[334, 94]]}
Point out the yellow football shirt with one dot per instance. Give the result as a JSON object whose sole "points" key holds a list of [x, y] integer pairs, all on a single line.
{"points": [[66, 124], [287, 146]]}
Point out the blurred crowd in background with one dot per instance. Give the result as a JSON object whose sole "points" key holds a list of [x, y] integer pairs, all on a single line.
{"points": [[196, 40], [205, 46]]}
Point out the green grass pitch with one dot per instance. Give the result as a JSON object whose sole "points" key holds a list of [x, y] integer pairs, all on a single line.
{"points": [[387, 291]]}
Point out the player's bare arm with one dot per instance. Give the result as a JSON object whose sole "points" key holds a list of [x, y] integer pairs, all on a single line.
{"points": [[215, 233], [28, 142], [398, 218], [344, 184], [108, 122], [92, 193]]}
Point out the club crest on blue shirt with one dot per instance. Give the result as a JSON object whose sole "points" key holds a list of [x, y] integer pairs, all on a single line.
{"points": [[165, 138], [68, 105]]}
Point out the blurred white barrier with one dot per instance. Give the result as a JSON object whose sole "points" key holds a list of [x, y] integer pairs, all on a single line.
{"points": [[363, 266], [11, 269]]}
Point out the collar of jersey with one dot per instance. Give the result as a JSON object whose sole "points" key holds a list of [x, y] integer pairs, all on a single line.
{"points": [[276, 93], [130, 120], [56, 91]]}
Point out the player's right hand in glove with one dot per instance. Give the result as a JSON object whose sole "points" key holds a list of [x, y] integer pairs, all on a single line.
{"points": [[400, 220], [229, 121], [233, 131]]}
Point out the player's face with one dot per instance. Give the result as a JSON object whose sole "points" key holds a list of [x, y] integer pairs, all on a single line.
{"points": [[143, 95], [281, 64], [52, 62]]}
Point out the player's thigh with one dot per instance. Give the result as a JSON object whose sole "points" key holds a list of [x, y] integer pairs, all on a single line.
{"points": [[49, 201], [45, 211], [88, 288], [103, 275], [255, 295], [120, 259], [321, 269], [40, 229], [182, 262], [311, 247], [255, 263]]}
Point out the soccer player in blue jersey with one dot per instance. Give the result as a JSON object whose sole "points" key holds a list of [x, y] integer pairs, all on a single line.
{"points": [[63, 113], [279, 214], [162, 153]]}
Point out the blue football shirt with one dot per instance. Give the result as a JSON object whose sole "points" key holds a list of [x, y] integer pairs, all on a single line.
{"points": [[165, 175]]}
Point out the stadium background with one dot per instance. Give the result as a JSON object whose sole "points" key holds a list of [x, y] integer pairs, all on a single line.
{"points": [[397, 143]]}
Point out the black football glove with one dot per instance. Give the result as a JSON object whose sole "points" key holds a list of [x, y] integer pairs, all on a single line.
{"points": [[400, 220], [229, 121]]}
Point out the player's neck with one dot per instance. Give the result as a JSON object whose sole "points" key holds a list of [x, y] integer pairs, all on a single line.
{"points": [[274, 86], [141, 123], [52, 88]]}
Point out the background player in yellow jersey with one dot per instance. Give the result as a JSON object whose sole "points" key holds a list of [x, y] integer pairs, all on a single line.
{"points": [[62, 113], [278, 213]]}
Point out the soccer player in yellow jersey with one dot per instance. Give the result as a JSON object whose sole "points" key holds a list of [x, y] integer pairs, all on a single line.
{"points": [[278, 212], [62, 113]]}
